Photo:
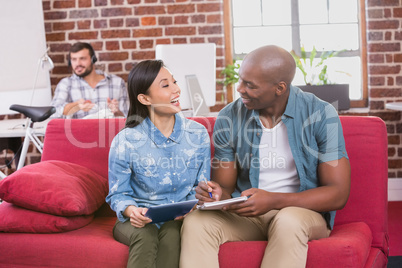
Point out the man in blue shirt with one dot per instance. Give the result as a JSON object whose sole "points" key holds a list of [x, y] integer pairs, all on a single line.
{"points": [[284, 149]]}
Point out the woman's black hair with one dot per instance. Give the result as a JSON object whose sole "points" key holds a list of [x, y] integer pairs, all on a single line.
{"points": [[140, 80]]}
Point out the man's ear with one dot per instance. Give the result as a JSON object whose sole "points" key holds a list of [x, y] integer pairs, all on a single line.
{"points": [[281, 88], [143, 99]]}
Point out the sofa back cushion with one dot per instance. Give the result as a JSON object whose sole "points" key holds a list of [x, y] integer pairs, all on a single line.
{"points": [[367, 146]]}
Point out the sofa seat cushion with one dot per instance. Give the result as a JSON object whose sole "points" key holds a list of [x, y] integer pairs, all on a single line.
{"points": [[55, 187], [348, 246], [90, 246], [20, 220]]}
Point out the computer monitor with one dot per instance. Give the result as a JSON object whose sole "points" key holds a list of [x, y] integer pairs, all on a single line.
{"points": [[189, 60]]}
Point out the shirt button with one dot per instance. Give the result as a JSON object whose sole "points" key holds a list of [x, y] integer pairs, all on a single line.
{"points": [[174, 189]]}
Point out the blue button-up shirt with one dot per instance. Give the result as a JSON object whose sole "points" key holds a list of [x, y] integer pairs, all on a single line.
{"points": [[314, 132], [148, 169]]}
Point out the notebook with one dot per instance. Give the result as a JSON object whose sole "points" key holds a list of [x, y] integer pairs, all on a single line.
{"points": [[220, 204]]}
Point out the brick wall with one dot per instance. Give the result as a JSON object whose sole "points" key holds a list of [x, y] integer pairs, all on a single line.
{"points": [[384, 36], [126, 31]]}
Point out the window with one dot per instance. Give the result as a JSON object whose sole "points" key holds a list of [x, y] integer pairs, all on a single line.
{"points": [[293, 24]]}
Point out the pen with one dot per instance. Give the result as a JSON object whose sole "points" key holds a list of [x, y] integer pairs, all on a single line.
{"points": [[206, 182]]}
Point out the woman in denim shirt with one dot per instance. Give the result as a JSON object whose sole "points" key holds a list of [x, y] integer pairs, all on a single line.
{"points": [[158, 158]]}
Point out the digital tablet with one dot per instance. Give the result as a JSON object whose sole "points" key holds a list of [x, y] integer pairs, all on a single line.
{"points": [[167, 212], [220, 204]]}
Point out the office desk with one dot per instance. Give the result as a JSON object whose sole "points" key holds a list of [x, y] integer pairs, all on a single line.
{"points": [[394, 106], [11, 132]]}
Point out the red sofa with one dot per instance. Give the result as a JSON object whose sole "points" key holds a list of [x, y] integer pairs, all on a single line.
{"points": [[359, 238]]}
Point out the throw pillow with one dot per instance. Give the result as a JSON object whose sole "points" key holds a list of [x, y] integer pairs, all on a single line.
{"points": [[55, 187], [19, 220]]}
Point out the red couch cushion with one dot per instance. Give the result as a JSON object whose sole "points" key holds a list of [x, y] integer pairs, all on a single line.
{"points": [[19, 220], [55, 187]]}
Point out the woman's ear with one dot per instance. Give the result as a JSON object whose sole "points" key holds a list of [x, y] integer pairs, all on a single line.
{"points": [[143, 99]]}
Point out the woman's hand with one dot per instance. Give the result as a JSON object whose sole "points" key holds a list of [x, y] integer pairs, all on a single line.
{"points": [[137, 216]]}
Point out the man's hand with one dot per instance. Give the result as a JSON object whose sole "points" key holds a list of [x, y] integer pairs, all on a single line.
{"points": [[113, 105], [202, 192], [258, 203], [85, 105]]}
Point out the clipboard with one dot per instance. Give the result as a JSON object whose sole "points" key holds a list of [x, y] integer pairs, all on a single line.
{"points": [[167, 212], [217, 205]]}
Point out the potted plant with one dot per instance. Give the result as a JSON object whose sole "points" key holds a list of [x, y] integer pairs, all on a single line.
{"points": [[316, 78]]}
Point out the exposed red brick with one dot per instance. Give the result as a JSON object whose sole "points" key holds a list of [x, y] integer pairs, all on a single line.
{"points": [[216, 18], [181, 19], [383, 24], [86, 13], [151, 1], [210, 30], [84, 3], [376, 81], [390, 81], [63, 26], [180, 40], [116, 23], [82, 35], [161, 41], [388, 58], [385, 92], [219, 41], [100, 24], [176, 9], [129, 44], [147, 32], [116, 2], [399, 82], [399, 131], [100, 3], [375, 13], [390, 128], [55, 37], [115, 33], [146, 21], [133, 2], [375, 36], [64, 4], [132, 22], [143, 55], [397, 12], [384, 47], [112, 45], [195, 40], [382, 3], [113, 12], [198, 18], [55, 15], [387, 13], [398, 35], [144, 44], [165, 20], [394, 163], [209, 7], [398, 57], [388, 36], [84, 24], [180, 30], [376, 105], [115, 67], [387, 116], [149, 10], [113, 56]]}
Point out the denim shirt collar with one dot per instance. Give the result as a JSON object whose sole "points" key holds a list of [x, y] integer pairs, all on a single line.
{"points": [[157, 137], [290, 110]]}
